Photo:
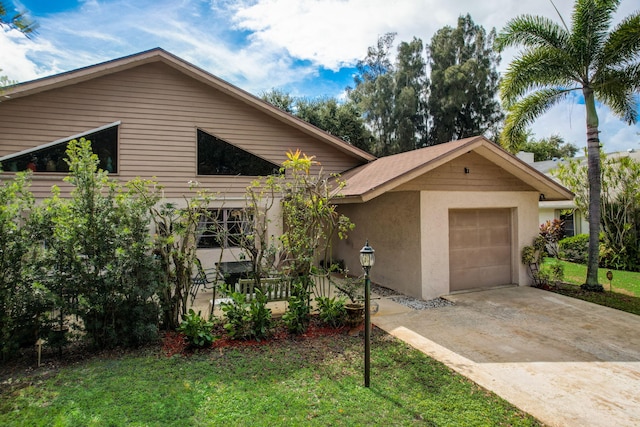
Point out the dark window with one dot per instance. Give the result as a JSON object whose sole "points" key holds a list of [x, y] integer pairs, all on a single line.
{"points": [[52, 158], [567, 219], [223, 227], [218, 157]]}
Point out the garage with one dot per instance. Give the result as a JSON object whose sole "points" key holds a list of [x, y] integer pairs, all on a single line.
{"points": [[479, 248], [444, 218]]}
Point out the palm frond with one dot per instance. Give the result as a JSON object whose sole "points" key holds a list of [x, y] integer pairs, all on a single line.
{"points": [[622, 46], [538, 68], [523, 113], [616, 90], [532, 31], [591, 21]]}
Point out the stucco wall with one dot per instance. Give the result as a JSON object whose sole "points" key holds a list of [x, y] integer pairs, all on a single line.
{"points": [[391, 222], [434, 208]]}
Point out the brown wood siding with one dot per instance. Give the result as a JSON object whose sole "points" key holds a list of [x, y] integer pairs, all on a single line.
{"points": [[483, 176], [160, 110]]}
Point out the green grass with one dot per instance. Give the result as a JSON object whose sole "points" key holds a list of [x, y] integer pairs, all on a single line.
{"points": [[305, 382], [623, 293], [623, 281]]}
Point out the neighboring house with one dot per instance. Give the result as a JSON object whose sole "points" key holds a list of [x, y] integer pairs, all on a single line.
{"points": [[441, 219], [575, 222]]}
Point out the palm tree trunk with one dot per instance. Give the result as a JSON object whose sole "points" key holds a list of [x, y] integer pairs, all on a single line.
{"points": [[593, 173]]}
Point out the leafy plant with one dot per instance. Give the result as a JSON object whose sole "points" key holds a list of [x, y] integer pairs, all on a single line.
{"points": [[331, 311], [197, 329], [351, 287], [259, 316], [296, 318], [91, 252], [552, 231], [551, 273], [236, 313]]}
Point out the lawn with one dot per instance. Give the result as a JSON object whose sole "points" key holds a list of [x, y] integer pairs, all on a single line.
{"points": [[623, 293], [314, 381], [623, 281]]}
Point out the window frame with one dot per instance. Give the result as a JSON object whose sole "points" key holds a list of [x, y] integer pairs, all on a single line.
{"points": [[233, 228], [66, 141]]}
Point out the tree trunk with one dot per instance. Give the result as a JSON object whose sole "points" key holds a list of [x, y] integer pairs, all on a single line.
{"points": [[593, 173]]}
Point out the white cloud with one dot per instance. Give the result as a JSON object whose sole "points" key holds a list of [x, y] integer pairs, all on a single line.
{"points": [[260, 44]]}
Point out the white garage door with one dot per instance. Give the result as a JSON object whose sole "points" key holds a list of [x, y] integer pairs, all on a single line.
{"points": [[479, 248]]}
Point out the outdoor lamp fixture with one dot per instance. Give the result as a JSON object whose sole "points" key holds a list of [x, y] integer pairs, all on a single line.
{"points": [[367, 259]]}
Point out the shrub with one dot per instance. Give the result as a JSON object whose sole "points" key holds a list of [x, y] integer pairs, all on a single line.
{"points": [[574, 249], [236, 314], [551, 273], [552, 231], [296, 318], [23, 301], [331, 311], [197, 329], [259, 316]]}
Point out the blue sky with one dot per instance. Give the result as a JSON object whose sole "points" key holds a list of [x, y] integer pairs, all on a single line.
{"points": [[305, 47]]}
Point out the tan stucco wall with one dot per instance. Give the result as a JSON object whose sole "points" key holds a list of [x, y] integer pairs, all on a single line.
{"points": [[391, 222], [434, 208]]}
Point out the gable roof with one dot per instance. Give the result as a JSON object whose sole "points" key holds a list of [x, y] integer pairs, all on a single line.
{"points": [[384, 174], [162, 56]]}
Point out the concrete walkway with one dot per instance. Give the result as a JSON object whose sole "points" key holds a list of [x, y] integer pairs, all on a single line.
{"points": [[565, 361]]}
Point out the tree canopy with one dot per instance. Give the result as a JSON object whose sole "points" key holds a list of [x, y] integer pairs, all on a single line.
{"points": [[341, 119], [464, 83], [549, 148]]}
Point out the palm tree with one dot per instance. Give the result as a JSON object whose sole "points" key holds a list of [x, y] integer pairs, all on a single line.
{"points": [[591, 57]]}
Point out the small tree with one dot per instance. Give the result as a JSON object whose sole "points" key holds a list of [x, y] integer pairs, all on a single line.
{"points": [[175, 245]]}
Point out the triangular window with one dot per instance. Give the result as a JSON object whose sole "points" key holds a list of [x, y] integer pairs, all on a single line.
{"points": [[218, 157], [51, 157]]}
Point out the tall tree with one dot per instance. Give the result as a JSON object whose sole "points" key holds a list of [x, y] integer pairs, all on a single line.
{"points": [[390, 94], [591, 58], [464, 82], [409, 112], [373, 92]]}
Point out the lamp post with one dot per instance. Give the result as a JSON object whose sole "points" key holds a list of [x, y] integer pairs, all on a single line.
{"points": [[367, 259]]}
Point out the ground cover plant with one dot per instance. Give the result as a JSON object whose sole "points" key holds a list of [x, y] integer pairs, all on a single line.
{"points": [[303, 381]]}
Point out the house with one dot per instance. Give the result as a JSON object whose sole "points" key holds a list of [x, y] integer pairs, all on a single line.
{"points": [[575, 221], [441, 219], [154, 115]]}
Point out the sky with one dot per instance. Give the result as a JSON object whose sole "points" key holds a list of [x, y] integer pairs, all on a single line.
{"points": [[307, 48]]}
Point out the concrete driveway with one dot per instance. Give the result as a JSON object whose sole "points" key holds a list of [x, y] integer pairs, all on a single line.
{"points": [[565, 361]]}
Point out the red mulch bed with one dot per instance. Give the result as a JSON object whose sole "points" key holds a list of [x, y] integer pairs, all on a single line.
{"points": [[175, 343]]}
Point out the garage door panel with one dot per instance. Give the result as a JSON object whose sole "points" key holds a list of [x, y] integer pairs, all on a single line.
{"points": [[479, 277], [479, 248]]}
